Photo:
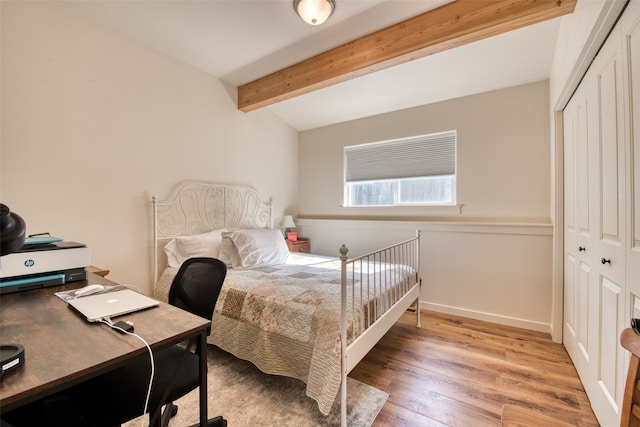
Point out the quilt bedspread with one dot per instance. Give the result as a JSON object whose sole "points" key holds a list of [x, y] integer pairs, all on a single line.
{"points": [[286, 319]]}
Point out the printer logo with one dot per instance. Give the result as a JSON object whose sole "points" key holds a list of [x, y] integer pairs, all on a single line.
{"points": [[29, 263]]}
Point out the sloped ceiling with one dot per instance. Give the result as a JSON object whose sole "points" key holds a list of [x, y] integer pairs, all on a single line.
{"points": [[244, 40]]}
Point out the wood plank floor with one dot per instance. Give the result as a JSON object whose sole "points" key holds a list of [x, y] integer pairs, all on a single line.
{"points": [[455, 371]]}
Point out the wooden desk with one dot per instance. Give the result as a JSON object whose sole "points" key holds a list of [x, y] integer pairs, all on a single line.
{"points": [[97, 270], [63, 349]]}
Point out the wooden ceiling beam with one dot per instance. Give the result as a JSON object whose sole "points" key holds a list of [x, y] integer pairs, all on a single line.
{"points": [[447, 27]]}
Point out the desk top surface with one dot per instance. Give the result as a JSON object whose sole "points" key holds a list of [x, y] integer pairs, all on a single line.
{"points": [[62, 348]]}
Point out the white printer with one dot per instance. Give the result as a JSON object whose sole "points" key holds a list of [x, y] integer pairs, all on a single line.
{"points": [[43, 262]]}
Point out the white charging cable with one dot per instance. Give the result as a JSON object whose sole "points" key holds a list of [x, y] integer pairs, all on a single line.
{"points": [[107, 321]]}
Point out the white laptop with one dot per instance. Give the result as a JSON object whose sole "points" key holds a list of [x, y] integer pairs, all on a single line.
{"points": [[111, 304]]}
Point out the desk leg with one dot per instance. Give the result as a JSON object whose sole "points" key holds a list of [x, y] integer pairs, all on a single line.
{"points": [[203, 380]]}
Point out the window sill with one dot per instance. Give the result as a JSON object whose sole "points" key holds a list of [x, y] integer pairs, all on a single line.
{"points": [[453, 209]]}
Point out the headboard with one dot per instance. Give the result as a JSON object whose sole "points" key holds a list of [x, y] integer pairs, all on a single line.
{"points": [[194, 207]]}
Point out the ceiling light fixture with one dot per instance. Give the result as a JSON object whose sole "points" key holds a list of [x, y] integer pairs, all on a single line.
{"points": [[314, 12]]}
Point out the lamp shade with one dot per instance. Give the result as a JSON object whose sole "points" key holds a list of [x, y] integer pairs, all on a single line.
{"points": [[287, 222], [314, 12]]}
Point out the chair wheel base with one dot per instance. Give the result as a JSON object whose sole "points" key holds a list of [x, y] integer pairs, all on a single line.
{"points": [[215, 422]]}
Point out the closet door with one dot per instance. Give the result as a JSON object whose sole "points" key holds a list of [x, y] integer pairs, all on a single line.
{"points": [[630, 23], [595, 233], [579, 284], [609, 245]]}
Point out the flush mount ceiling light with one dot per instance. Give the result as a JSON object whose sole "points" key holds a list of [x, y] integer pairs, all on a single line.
{"points": [[314, 12]]}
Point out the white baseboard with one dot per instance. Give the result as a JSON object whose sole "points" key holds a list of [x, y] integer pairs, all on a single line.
{"points": [[488, 317]]}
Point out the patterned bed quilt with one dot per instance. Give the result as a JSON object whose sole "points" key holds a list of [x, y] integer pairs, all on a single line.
{"points": [[286, 318]]}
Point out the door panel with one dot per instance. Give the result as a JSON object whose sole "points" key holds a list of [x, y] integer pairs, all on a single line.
{"points": [[583, 125], [583, 315], [611, 196], [609, 372], [570, 304]]}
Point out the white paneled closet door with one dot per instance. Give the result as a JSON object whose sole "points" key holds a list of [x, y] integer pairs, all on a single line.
{"points": [[579, 286], [630, 24], [595, 230], [609, 247]]}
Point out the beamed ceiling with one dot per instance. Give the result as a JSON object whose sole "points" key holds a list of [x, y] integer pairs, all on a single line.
{"points": [[370, 57], [447, 27]]}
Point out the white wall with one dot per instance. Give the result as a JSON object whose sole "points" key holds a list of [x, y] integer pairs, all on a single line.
{"points": [[502, 156], [490, 260], [93, 123]]}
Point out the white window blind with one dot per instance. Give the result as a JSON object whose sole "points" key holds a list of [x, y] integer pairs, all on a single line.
{"points": [[422, 156]]}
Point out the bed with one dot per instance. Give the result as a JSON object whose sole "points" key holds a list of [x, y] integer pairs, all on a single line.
{"points": [[284, 312]]}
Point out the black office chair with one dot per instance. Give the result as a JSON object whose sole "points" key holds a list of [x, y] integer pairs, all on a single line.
{"points": [[119, 395]]}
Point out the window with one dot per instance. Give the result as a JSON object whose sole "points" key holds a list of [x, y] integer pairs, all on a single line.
{"points": [[411, 171]]}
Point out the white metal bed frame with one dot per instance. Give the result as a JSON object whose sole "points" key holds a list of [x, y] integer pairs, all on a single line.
{"points": [[195, 207]]}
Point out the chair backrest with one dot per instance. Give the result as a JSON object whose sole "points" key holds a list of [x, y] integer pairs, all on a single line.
{"points": [[197, 285], [630, 415]]}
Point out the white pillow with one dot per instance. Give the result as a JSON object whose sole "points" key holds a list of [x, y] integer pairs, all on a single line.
{"points": [[199, 245], [228, 252], [171, 249], [258, 248]]}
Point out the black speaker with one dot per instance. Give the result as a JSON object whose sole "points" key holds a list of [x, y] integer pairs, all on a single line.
{"points": [[13, 231]]}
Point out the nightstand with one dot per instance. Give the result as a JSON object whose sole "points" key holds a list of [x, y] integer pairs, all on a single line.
{"points": [[300, 245]]}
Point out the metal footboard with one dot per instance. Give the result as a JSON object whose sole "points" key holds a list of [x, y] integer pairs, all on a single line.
{"points": [[386, 282]]}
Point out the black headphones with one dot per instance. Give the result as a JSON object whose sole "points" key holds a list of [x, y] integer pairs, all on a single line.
{"points": [[635, 325], [13, 231]]}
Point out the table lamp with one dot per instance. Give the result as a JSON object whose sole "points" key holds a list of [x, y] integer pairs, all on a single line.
{"points": [[288, 224]]}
